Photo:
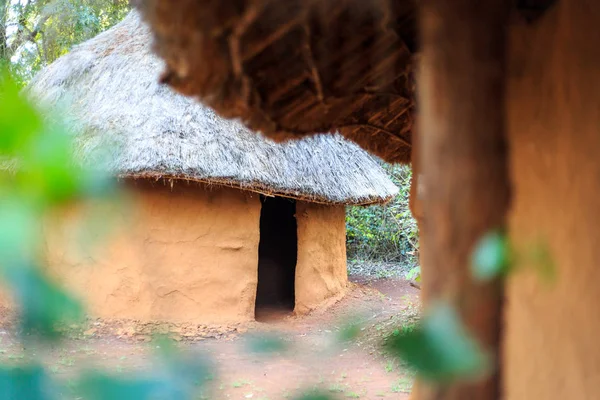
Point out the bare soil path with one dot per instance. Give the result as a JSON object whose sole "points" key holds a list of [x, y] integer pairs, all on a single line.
{"points": [[314, 356]]}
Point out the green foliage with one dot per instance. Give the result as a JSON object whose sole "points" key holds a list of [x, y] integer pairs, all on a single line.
{"points": [[494, 257], [45, 176], [414, 274], [45, 308], [34, 33], [385, 233], [97, 386], [542, 260], [314, 396], [491, 257], [180, 376], [29, 383], [349, 331], [38, 175], [439, 348], [266, 343], [16, 115]]}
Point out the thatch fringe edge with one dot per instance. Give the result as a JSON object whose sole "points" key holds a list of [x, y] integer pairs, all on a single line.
{"points": [[255, 187]]}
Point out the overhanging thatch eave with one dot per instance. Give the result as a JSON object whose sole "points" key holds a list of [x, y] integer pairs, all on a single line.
{"points": [[297, 67], [262, 189]]}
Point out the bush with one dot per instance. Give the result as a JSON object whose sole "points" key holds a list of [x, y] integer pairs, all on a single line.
{"points": [[386, 233]]}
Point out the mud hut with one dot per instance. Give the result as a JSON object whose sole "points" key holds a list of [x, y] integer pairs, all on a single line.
{"points": [[507, 140], [224, 223]]}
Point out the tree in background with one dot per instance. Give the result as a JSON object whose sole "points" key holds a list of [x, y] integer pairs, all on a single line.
{"points": [[34, 33]]}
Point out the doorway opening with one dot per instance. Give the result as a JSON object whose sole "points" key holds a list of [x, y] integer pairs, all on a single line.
{"points": [[277, 254]]}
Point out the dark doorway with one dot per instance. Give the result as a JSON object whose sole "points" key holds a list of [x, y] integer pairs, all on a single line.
{"points": [[277, 254]]}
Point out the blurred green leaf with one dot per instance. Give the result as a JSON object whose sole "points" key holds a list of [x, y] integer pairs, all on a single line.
{"points": [[96, 184], [414, 273], [165, 347], [25, 383], [405, 329], [186, 371], [97, 386], [349, 331], [49, 172], [314, 396], [439, 348], [541, 259], [265, 343], [19, 232], [491, 257], [45, 308], [178, 376], [18, 119]]}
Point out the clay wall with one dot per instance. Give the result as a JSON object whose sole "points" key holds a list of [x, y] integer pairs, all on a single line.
{"points": [[321, 274], [551, 348], [188, 253], [185, 253]]}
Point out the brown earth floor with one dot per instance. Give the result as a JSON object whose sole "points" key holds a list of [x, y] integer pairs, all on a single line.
{"points": [[314, 358]]}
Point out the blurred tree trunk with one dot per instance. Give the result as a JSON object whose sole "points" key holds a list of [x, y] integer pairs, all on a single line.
{"points": [[463, 164]]}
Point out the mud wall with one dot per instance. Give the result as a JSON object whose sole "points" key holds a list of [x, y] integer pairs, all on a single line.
{"points": [[551, 346], [180, 254], [321, 274]]}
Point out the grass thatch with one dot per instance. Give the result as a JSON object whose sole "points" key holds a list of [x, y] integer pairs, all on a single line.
{"points": [[111, 85], [292, 68]]}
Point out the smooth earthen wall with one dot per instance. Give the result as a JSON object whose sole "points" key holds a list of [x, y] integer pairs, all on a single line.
{"points": [[552, 327], [321, 274], [185, 253]]}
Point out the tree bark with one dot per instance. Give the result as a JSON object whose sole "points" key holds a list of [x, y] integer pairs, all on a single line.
{"points": [[463, 164]]}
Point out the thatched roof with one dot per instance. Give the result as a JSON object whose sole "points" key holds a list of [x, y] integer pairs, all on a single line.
{"points": [[291, 68], [112, 85]]}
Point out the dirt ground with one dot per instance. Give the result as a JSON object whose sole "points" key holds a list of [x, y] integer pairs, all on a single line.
{"points": [[314, 357]]}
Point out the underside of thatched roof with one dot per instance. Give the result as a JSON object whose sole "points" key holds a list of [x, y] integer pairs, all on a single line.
{"points": [[111, 87], [296, 67]]}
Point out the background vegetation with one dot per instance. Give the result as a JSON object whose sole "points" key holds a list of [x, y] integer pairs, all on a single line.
{"points": [[384, 239], [34, 33]]}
